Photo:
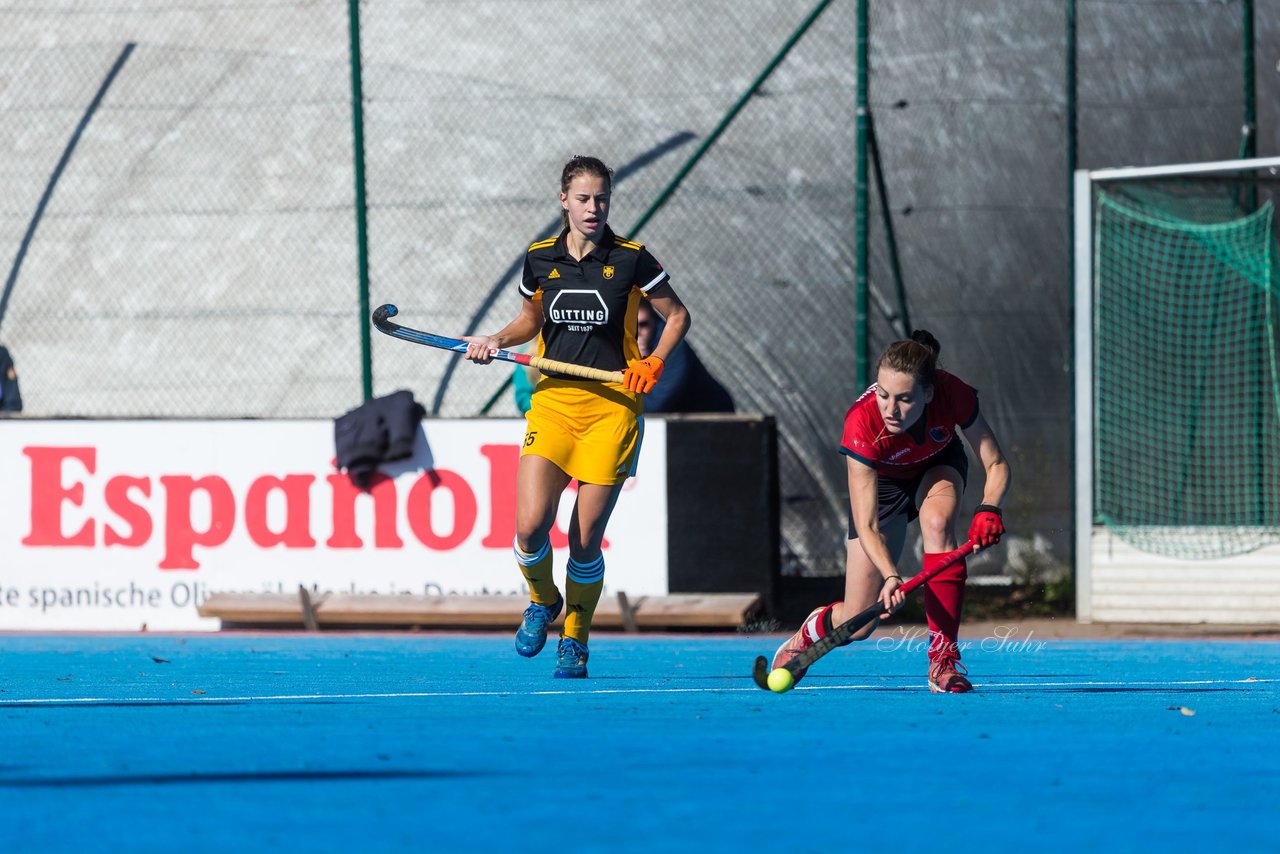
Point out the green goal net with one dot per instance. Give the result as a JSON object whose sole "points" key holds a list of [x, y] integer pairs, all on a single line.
{"points": [[1186, 393]]}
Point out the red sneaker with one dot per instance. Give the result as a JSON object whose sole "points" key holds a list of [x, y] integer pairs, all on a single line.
{"points": [[947, 676], [809, 632]]}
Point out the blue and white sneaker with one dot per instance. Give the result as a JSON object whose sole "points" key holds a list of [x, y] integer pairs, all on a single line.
{"points": [[571, 659], [531, 637]]}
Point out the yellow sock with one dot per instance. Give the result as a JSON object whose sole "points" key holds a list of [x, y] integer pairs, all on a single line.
{"points": [[582, 594], [536, 569]]}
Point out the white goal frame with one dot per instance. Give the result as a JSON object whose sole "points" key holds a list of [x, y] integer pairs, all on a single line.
{"points": [[1114, 581]]}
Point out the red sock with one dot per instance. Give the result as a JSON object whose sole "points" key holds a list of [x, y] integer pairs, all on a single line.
{"points": [[943, 602], [818, 624]]}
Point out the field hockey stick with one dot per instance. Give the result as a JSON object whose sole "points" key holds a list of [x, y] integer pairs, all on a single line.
{"points": [[846, 630], [457, 345]]}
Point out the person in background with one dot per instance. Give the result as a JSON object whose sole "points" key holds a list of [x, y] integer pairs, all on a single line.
{"points": [[524, 379], [579, 296], [905, 460], [687, 385], [10, 395]]}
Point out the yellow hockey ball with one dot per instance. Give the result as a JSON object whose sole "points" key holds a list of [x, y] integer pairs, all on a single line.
{"points": [[781, 681]]}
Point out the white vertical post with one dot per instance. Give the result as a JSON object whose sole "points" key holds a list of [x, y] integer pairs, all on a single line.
{"points": [[1084, 315]]}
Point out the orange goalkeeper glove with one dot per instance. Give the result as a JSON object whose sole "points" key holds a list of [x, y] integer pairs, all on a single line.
{"points": [[642, 375]]}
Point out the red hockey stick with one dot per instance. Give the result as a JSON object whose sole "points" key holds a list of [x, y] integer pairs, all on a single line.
{"points": [[843, 632]]}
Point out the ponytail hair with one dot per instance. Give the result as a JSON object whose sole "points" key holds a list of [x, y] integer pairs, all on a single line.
{"points": [[917, 357]]}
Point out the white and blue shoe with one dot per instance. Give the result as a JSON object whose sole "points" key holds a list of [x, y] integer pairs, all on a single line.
{"points": [[571, 659], [531, 637]]}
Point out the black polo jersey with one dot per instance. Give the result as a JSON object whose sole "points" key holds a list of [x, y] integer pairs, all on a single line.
{"points": [[589, 306]]}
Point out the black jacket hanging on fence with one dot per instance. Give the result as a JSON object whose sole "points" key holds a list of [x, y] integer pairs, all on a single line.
{"points": [[378, 431], [10, 396]]}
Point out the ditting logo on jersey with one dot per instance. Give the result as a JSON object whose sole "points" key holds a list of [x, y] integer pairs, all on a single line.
{"points": [[554, 274], [578, 307], [939, 434], [608, 272]]}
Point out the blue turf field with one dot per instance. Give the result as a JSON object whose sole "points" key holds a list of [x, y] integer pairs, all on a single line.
{"points": [[336, 742]]}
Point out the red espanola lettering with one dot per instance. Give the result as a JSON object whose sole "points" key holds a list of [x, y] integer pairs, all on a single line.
{"points": [[48, 494], [383, 491], [130, 512], [297, 511], [504, 461], [180, 534], [419, 509], [559, 539]]}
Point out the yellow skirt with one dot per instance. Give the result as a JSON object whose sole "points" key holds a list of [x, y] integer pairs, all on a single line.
{"points": [[592, 431]]}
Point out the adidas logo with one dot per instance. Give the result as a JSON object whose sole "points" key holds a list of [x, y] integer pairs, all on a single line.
{"points": [[554, 274]]}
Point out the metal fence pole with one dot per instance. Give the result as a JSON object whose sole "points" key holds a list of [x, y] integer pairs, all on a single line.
{"points": [[862, 366], [1249, 132], [362, 224], [1075, 185]]}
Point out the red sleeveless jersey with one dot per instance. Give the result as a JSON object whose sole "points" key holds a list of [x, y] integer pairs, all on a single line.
{"points": [[908, 454]]}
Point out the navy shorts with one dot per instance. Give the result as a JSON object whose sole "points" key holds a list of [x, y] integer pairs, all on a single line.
{"points": [[898, 495]]}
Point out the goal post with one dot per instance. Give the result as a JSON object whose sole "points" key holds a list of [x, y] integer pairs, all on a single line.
{"points": [[1177, 393]]}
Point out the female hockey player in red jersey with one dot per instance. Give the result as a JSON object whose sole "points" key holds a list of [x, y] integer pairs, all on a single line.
{"points": [[905, 460]]}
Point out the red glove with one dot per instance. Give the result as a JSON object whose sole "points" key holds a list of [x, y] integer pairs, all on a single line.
{"points": [[642, 375], [987, 527]]}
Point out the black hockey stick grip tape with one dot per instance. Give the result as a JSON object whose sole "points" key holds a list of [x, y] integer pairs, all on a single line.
{"points": [[841, 634]]}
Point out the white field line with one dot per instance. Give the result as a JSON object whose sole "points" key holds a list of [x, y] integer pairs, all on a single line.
{"points": [[393, 695]]}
